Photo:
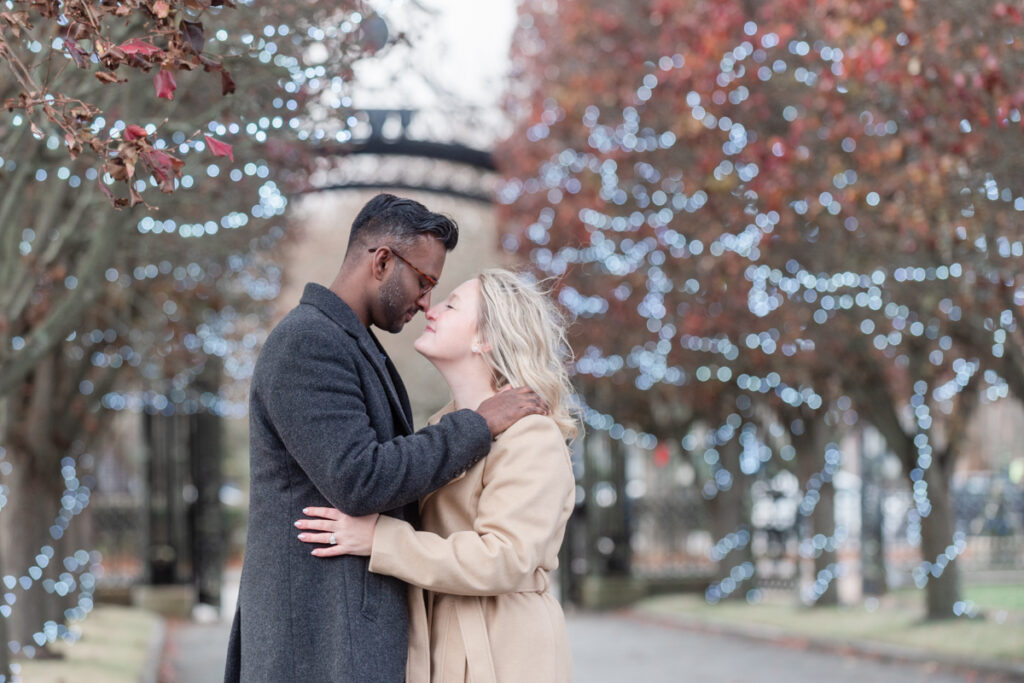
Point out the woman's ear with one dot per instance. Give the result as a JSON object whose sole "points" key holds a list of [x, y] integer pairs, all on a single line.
{"points": [[479, 347]]}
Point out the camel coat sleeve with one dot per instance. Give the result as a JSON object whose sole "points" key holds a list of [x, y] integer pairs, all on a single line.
{"points": [[521, 509]]}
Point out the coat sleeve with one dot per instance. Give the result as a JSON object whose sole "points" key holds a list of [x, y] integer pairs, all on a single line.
{"points": [[522, 511], [314, 401]]}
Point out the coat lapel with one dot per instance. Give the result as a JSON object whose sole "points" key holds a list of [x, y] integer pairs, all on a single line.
{"points": [[340, 312], [375, 353]]}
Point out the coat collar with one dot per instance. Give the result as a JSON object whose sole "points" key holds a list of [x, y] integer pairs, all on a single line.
{"points": [[331, 305], [436, 417]]}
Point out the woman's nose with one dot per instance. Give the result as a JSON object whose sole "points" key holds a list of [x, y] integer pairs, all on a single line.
{"points": [[431, 313]]}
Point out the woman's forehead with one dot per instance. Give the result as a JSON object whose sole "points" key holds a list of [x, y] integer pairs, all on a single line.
{"points": [[467, 289]]}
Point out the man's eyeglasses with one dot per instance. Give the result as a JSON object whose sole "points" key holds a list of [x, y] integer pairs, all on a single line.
{"points": [[431, 281]]}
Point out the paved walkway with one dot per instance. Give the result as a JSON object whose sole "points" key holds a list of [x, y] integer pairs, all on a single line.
{"points": [[623, 647], [194, 653]]}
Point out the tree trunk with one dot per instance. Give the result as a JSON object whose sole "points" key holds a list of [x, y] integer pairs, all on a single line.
{"points": [[811, 449], [574, 545], [943, 591], [34, 550], [5, 652], [35, 525], [206, 444], [823, 521], [621, 561], [24, 531], [872, 542], [72, 540], [729, 512], [607, 532], [937, 529], [5, 659]]}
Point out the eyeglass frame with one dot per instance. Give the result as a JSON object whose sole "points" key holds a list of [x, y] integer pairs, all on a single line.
{"points": [[431, 280]]}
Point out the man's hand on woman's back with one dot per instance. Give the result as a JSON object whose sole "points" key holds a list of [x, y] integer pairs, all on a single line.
{"points": [[507, 407]]}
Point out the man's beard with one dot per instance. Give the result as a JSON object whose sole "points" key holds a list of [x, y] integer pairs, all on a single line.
{"points": [[391, 300]]}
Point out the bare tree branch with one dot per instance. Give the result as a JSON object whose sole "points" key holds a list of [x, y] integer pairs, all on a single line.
{"points": [[65, 316]]}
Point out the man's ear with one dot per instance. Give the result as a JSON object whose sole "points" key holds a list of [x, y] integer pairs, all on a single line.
{"points": [[380, 264]]}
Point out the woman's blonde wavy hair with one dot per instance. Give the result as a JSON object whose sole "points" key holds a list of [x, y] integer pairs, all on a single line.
{"points": [[526, 335]]}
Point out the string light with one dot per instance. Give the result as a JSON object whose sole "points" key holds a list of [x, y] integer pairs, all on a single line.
{"points": [[83, 563]]}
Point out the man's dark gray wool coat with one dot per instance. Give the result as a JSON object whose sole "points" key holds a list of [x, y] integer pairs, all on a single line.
{"points": [[331, 426]]}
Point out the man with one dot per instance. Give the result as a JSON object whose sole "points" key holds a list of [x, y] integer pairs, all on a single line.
{"points": [[330, 425]]}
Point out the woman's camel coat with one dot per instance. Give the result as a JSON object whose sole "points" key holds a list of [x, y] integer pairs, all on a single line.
{"points": [[489, 540]]}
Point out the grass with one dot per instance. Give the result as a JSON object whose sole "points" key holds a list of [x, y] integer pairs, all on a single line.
{"points": [[113, 648], [1009, 597], [898, 620], [991, 598]]}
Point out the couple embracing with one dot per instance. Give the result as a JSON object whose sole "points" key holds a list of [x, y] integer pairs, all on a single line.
{"points": [[379, 553]]}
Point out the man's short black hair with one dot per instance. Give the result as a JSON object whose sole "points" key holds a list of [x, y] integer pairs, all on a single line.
{"points": [[390, 220]]}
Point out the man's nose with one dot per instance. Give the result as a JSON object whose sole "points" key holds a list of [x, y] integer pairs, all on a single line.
{"points": [[423, 303]]}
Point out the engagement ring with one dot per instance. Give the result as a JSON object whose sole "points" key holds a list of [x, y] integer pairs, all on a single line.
{"points": [[334, 541]]}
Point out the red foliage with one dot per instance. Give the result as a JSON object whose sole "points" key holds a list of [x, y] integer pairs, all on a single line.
{"points": [[165, 84], [134, 132], [877, 98], [164, 167], [220, 149], [136, 46], [169, 38]]}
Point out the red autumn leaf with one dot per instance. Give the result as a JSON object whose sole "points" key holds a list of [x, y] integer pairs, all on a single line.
{"points": [[134, 132], [139, 47], [165, 84], [220, 149], [165, 168]]}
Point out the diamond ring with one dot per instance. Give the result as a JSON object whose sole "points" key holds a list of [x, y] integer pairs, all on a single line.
{"points": [[334, 541]]}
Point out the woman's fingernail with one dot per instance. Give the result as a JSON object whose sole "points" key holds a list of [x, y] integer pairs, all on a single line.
{"points": [[305, 511], [301, 536], [298, 523]]}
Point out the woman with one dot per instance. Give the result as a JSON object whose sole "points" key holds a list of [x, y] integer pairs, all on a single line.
{"points": [[491, 536]]}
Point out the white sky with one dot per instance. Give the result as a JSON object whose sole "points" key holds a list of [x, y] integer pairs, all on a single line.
{"points": [[464, 48]]}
